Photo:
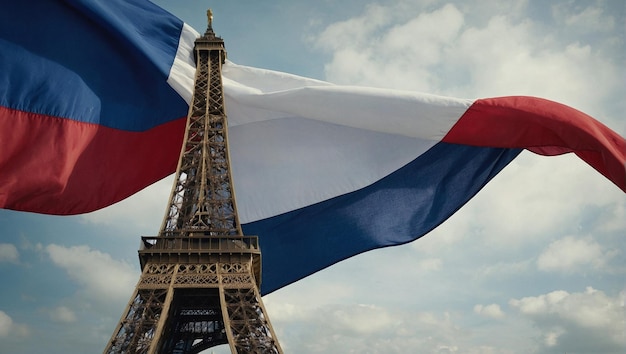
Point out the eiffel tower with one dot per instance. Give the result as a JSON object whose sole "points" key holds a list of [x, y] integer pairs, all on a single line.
{"points": [[200, 278]]}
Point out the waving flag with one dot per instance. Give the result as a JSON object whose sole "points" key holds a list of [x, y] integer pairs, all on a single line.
{"points": [[87, 117], [338, 170], [93, 97]]}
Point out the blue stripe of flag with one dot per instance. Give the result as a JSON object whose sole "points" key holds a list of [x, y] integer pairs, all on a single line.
{"points": [[88, 61], [397, 209]]}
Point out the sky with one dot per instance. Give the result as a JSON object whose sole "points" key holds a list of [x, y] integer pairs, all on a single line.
{"points": [[535, 263]]}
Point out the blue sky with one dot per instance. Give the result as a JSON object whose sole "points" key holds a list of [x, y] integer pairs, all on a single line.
{"points": [[535, 263]]}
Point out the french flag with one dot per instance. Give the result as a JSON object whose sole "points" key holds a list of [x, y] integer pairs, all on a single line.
{"points": [[93, 100]]}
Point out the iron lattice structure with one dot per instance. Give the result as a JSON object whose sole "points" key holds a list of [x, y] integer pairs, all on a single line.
{"points": [[200, 275]]}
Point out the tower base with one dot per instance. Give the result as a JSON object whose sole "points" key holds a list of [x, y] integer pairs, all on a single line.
{"points": [[206, 298]]}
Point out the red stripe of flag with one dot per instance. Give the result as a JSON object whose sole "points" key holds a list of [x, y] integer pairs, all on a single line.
{"points": [[60, 166], [543, 127]]}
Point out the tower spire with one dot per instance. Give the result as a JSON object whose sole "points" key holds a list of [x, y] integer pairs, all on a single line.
{"points": [[209, 15], [209, 28], [200, 278]]}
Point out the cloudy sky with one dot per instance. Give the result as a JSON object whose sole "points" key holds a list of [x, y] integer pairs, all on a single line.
{"points": [[535, 263]]}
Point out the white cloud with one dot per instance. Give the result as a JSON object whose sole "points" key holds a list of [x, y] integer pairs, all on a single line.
{"points": [[540, 304], [367, 328], [570, 254], [551, 338], [145, 210], [583, 20], [9, 253], [481, 10], [62, 314], [9, 328], [429, 264], [367, 50], [6, 322], [320, 288], [361, 319], [613, 219], [436, 51], [356, 30], [498, 270], [492, 310], [588, 321], [535, 211], [104, 278]]}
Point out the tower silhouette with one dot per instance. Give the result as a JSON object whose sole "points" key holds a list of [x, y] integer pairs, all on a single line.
{"points": [[200, 278]]}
